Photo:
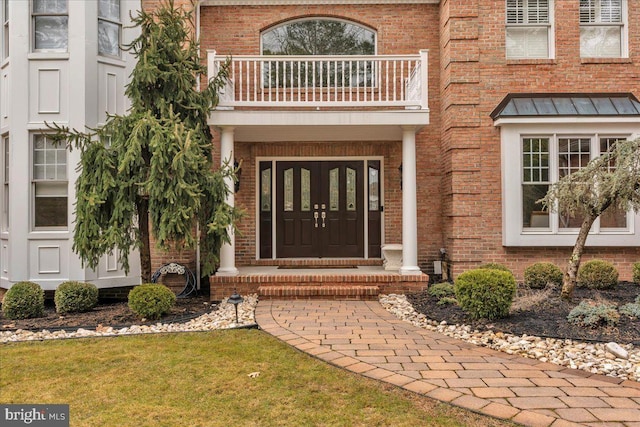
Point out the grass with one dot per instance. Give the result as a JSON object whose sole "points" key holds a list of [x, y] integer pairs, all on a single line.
{"points": [[201, 379]]}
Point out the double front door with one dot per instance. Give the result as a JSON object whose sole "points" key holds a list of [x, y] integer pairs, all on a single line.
{"points": [[320, 210]]}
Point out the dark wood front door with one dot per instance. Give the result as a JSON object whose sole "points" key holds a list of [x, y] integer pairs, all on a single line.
{"points": [[319, 209]]}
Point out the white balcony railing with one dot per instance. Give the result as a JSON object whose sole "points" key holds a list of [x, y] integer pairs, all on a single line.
{"points": [[324, 81]]}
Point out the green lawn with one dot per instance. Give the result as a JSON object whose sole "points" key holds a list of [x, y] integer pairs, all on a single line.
{"points": [[201, 379]]}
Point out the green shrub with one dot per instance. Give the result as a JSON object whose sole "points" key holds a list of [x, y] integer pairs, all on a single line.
{"points": [[495, 266], [631, 309], [592, 314], [75, 297], [23, 301], [151, 300], [441, 290], [597, 274], [485, 293], [636, 273], [541, 274], [447, 301]]}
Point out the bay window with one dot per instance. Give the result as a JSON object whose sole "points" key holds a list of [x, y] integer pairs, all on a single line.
{"points": [[49, 184], [529, 29], [50, 20], [602, 28]]}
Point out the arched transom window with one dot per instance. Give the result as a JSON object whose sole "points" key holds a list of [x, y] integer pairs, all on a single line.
{"points": [[330, 38], [319, 36]]}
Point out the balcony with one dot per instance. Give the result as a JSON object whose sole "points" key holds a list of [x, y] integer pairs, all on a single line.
{"points": [[389, 82]]}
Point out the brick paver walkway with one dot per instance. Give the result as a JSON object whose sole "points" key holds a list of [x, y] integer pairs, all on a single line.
{"points": [[361, 336]]}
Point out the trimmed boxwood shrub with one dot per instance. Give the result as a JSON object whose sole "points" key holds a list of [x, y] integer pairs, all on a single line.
{"points": [[541, 274], [636, 272], [597, 274], [495, 266], [485, 293], [75, 297], [151, 300], [23, 301]]}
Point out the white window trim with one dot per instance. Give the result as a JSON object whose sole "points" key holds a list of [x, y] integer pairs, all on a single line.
{"points": [[624, 41], [35, 181], [551, 42], [6, 165], [33, 30], [511, 133]]}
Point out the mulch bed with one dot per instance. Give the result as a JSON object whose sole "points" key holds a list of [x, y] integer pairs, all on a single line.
{"points": [[109, 313], [546, 318]]}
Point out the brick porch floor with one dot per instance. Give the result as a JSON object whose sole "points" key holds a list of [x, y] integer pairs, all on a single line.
{"points": [[361, 336]]}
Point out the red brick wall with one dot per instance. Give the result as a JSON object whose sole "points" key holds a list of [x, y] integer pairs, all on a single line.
{"points": [[475, 78], [401, 29]]}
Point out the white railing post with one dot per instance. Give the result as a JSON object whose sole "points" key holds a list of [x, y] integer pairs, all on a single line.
{"points": [[211, 68], [424, 79]]}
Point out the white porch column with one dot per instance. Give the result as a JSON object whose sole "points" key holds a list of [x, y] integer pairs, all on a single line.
{"points": [[228, 251], [409, 206]]}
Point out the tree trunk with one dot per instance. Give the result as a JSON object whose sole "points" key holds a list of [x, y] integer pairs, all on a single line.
{"points": [[570, 276], [142, 205]]}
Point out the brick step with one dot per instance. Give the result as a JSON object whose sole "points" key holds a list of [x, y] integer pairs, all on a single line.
{"points": [[332, 292]]}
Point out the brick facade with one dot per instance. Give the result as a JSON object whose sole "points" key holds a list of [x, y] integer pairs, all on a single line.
{"points": [[458, 153]]}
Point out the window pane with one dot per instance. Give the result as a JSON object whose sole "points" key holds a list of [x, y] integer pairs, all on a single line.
{"points": [[527, 42], [613, 218], [351, 189], [50, 212], [535, 159], [318, 37], [288, 190], [599, 42], [568, 221], [49, 6], [305, 190], [51, 32], [265, 192], [334, 189], [532, 214], [108, 38], [374, 189], [109, 9], [573, 154]]}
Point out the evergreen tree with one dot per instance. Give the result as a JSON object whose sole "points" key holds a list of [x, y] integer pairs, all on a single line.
{"points": [[609, 181], [152, 166]]}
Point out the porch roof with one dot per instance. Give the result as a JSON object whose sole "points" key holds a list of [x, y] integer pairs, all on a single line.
{"points": [[549, 105]]}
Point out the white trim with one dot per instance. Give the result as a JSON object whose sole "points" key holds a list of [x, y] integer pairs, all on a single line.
{"points": [[513, 233], [276, 159], [566, 120]]}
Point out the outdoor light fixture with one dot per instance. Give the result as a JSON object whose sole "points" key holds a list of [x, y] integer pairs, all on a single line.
{"points": [[238, 170], [400, 170], [235, 299]]}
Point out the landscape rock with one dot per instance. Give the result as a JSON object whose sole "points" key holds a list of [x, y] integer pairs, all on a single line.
{"points": [[617, 350]]}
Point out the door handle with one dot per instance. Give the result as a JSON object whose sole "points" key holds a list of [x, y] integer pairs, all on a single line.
{"points": [[324, 215], [315, 216]]}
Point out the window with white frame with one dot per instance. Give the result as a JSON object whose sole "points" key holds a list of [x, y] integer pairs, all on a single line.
{"points": [[5, 29], [109, 27], [5, 183], [50, 20], [49, 184], [602, 28], [529, 29]]}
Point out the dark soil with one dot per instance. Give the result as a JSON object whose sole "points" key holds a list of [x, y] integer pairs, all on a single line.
{"points": [[109, 313], [546, 317]]}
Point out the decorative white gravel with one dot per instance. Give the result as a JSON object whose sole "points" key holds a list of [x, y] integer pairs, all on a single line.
{"points": [[222, 318], [590, 357]]}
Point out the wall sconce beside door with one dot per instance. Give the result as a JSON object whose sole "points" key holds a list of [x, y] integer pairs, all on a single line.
{"points": [[238, 170], [400, 170]]}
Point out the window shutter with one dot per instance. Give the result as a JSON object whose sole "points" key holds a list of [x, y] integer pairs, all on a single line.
{"points": [[515, 11]]}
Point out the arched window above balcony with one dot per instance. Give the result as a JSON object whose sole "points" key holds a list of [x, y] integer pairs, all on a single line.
{"points": [[318, 36]]}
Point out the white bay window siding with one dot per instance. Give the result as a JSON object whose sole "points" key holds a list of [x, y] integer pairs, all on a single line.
{"points": [[602, 28], [50, 25], [5, 184], [529, 29], [50, 185], [534, 156]]}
